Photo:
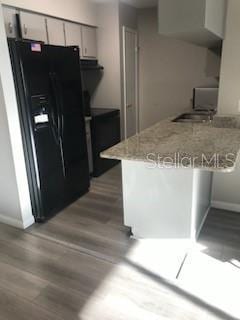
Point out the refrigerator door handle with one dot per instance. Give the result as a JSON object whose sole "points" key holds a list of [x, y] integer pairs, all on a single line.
{"points": [[61, 119], [53, 114], [56, 93], [52, 76], [59, 90]]}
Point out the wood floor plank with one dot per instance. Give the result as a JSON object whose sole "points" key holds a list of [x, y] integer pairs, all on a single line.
{"points": [[28, 241], [94, 223], [85, 241], [20, 282], [56, 272], [64, 303], [13, 307], [77, 267]]}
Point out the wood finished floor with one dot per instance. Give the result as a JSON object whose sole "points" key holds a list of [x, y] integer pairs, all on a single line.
{"points": [[74, 266], [93, 224]]}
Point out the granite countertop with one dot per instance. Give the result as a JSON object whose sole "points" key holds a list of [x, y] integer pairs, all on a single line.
{"points": [[213, 146]]}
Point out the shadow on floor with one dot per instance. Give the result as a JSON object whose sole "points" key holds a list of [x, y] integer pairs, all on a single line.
{"points": [[220, 236]]}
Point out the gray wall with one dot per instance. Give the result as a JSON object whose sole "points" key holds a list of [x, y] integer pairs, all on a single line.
{"points": [[108, 91], [190, 15], [128, 17], [169, 70], [184, 15], [226, 187], [215, 16], [229, 95], [111, 17]]}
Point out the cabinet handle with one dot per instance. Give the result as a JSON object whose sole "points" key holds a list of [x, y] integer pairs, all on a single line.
{"points": [[10, 27], [25, 29]]}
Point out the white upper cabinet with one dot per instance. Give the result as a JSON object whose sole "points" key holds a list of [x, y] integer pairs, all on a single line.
{"points": [[52, 31], [55, 31], [10, 21], [89, 42], [73, 34], [198, 21], [33, 26]]}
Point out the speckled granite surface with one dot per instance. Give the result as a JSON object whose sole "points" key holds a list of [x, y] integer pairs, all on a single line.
{"points": [[211, 146]]}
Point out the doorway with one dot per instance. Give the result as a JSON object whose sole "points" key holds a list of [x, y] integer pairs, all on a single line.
{"points": [[130, 78]]}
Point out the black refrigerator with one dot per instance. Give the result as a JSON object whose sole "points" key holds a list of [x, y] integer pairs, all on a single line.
{"points": [[50, 102]]}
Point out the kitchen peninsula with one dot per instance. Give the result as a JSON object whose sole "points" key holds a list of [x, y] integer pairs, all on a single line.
{"points": [[167, 174]]}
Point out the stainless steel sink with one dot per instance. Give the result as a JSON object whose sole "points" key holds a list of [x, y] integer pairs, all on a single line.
{"points": [[194, 117]]}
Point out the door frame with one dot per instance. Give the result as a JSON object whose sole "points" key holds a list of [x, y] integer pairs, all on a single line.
{"points": [[135, 32]]}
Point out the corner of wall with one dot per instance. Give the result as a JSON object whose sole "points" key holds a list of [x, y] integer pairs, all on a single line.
{"points": [[15, 204]]}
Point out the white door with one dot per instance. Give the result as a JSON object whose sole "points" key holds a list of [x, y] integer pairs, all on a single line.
{"points": [[89, 41], [55, 30], [33, 26], [73, 35], [130, 65]]}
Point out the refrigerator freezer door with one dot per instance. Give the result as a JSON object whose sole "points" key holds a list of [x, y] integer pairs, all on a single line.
{"points": [[48, 87]]}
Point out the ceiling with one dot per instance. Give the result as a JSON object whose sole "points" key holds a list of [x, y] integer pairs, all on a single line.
{"points": [[142, 3]]}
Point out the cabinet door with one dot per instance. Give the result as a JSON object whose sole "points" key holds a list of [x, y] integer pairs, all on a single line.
{"points": [[73, 35], [55, 29], [10, 21], [33, 26], [89, 41]]}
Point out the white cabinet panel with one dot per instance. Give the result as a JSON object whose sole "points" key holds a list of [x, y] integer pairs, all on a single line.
{"points": [[55, 29], [10, 21], [33, 26], [73, 34], [89, 41]]}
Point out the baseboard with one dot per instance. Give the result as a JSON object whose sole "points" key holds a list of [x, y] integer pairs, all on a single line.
{"points": [[27, 223], [15, 222], [235, 207]]}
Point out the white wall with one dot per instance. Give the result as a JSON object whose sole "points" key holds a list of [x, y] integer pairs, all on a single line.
{"points": [[83, 11], [15, 206], [226, 187], [169, 70], [9, 203]]}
